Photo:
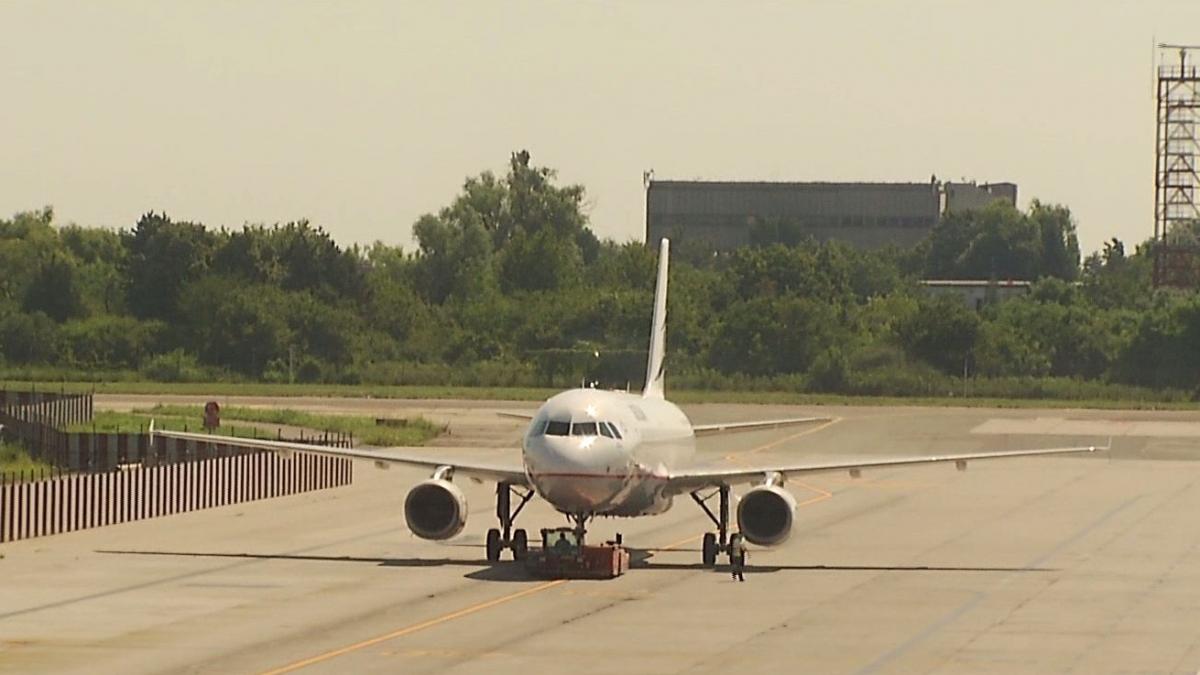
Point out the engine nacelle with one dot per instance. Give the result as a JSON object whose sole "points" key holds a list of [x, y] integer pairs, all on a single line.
{"points": [[435, 509], [765, 515]]}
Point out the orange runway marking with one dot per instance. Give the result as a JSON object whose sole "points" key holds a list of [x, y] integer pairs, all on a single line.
{"points": [[779, 441], [414, 628], [821, 495]]}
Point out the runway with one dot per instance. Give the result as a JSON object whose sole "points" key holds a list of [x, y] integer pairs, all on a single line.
{"points": [[1075, 564]]}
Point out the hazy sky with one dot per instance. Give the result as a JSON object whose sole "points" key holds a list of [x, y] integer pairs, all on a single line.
{"points": [[363, 115]]}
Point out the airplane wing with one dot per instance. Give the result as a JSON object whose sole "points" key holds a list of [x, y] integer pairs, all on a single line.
{"points": [[701, 477], [420, 457], [732, 427], [515, 415]]}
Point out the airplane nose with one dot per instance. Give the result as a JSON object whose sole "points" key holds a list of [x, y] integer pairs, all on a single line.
{"points": [[577, 473]]}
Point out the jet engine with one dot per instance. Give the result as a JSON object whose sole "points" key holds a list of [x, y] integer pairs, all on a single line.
{"points": [[435, 509], [764, 515]]}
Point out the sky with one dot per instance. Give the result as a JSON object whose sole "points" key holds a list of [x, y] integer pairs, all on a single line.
{"points": [[362, 116]]}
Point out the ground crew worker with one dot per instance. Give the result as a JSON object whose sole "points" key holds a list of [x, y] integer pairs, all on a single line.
{"points": [[563, 545], [737, 557]]}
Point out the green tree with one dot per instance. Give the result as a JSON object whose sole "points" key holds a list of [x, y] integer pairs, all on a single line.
{"points": [[539, 261], [234, 325], [110, 341], [453, 261], [1164, 349], [996, 241], [537, 231], [26, 242], [1059, 242], [27, 338], [164, 256], [772, 335], [1112, 279], [53, 290], [942, 332]]}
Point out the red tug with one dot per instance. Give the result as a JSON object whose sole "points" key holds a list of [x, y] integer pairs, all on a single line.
{"points": [[563, 555]]}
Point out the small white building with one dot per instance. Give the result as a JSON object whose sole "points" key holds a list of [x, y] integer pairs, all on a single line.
{"points": [[975, 293]]}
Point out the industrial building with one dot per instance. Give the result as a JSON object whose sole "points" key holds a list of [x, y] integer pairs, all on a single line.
{"points": [[976, 293], [865, 215]]}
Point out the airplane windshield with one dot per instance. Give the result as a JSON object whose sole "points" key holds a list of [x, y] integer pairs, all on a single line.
{"points": [[583, 429], [556, 428]]}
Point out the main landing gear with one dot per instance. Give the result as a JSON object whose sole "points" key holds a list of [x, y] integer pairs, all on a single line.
{"points": [[506, 537], [715, 542]]}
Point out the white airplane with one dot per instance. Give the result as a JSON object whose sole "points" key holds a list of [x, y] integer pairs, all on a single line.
{"points": [[590, 452]]}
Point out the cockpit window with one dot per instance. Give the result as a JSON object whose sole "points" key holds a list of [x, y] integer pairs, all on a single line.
{"points": [[556, 428], [583, 429], [539, 428], [616, 433], [606, 430]]}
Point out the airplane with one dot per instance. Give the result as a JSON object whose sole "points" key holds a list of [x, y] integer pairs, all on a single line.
{"points": [[590, 452]]}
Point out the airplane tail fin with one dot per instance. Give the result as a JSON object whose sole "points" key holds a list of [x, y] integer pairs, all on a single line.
{"points": [[656, 364]]}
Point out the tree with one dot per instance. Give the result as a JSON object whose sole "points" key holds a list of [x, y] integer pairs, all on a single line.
{"points": [[110, 341], [772, 335], [27, 338], [26, 243], [453, 260], [537, 232], [234, 325], [942, 332], [1112, 279], [1060, 244], [1164, 350], [539, 261], [1000, 242], [54, 291], [164, 256]]}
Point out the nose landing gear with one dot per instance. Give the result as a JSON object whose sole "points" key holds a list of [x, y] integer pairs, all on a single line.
{"points": [[505, 537]]}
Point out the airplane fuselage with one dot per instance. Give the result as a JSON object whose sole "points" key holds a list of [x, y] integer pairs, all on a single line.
{"points": [[590, 451]]}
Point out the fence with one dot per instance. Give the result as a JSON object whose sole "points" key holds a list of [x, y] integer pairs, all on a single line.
{"points": [[129, 476], [37, 418], [59, 409], [67, 502]]}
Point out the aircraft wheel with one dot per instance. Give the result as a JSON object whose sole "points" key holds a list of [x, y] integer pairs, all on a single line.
{"points": [[710, 549], [520, 545], [493, 545]]}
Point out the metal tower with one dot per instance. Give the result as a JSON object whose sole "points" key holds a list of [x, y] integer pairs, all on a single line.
{"points": [[1176, 181]]}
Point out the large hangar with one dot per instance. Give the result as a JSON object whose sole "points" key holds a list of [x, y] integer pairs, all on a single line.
{"points": [[865, 215]]}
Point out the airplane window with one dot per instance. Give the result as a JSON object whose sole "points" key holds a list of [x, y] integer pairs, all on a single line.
{"points": [[583, 429], [539, 427], [606, 430], [556, 428], [616, 432]]}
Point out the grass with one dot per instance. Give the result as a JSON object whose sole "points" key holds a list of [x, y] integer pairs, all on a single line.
{"points": [[14, 459], [106, 422], [408, 431], [540, 394]]}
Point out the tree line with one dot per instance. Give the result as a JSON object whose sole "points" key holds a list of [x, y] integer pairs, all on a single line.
{"points": [[508, 285]]}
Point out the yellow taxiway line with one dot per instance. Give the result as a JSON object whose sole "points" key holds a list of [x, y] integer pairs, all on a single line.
{"points": [[407, 630], [779, 441], [417, 627]]}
